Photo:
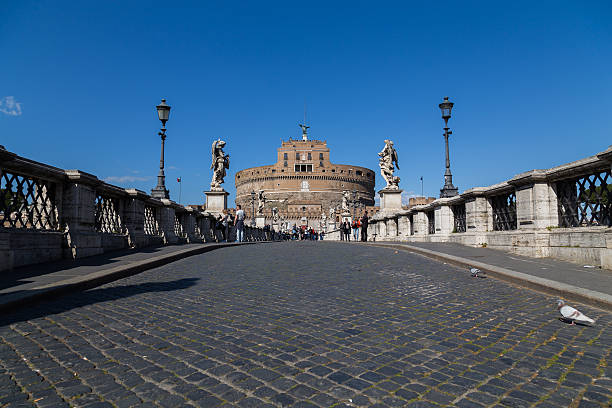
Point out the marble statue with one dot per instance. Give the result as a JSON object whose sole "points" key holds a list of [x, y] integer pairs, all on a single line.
{"points": [[388, 157], [275, 215], [345, 201], [220, 162], [261, 202], [332, 213]]}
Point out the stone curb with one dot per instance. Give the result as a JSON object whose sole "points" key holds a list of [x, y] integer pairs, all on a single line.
{"points": [[10, 302], [569, 292]]}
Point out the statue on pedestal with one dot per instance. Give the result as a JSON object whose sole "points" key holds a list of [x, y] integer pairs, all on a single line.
{"points": [[220, 162], [332, 214], [388, 157], [345, 201], [261, 202], [275, 215]]}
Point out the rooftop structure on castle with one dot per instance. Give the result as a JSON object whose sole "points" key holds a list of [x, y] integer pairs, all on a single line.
{"points": [[304, 183]]}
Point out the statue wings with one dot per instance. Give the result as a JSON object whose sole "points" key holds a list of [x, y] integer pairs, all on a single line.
{"points": [[394, 157], [213, 152]]}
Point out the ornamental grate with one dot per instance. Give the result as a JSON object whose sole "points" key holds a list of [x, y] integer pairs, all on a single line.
{"points": [[27, 202], [179, 230], [504, 212], [431, 222], [459, 217], [411, 224], [151, 227], [585, 201], [107, 217]]}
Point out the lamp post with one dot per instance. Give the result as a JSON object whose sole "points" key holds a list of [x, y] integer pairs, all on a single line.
{"points": [[448, 190], [253, 208], [160, 191]]}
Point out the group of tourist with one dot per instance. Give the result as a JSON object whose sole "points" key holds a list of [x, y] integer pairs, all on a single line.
{"points": [[357, 225]]}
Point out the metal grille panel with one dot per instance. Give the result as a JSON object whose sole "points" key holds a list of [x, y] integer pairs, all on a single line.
{"points": [[504, 212], [107, 215], [27, 202], [431, 221], [151, 227], [459, 217], [585, 201]]}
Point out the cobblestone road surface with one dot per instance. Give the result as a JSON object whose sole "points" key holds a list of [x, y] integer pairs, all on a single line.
{"points": [[304, 325]]}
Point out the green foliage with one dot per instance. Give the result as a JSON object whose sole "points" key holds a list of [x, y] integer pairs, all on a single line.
{"points": [[11, 201]]}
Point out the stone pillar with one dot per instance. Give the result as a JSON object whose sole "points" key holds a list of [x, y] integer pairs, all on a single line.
{"points": [[536, 201], [391, 227], [403, 225], [134, 217], [260, 221], [78, 215], [420, 223], [476, 211], [382, 229], [166, 222], [372, 230], [444, 219]]}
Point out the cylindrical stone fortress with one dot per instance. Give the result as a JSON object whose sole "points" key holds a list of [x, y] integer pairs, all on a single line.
{"points": [[304, 183]]}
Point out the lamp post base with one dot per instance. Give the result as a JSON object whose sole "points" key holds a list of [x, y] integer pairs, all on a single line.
{"points": [[448, 191], [160, 192]]}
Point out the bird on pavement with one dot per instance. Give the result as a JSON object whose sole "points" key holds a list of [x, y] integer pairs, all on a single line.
{"points": [[571, 314], [475, 272]]}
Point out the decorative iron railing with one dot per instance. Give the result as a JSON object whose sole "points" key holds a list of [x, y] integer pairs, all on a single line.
{"points": [[431, 222], [459, 217], [585, 201], [27, 202], [107, 215], [504, 211], [179, 229], [411, 218], [151, 226]]}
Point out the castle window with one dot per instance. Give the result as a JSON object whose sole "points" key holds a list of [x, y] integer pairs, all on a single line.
{"points": [[273, 171], [320, 164], [350, 171], [285, 156], [369, 175], [359, 173], [333, 170], [284, 164], [320, 156], [341, 171], [297, 156], [309, 156]]}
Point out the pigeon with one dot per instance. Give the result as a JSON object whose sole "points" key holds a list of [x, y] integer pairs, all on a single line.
{"points": [[571, 314], [475, 272]]}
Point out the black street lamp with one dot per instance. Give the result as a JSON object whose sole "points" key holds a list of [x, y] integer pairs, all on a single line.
{"points": [[253, 208], [448, 190], [160, 191]]}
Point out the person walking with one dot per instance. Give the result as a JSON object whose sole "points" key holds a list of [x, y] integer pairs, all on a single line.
{"points": [[347, 231], [239, 223], [225, 224], [355, 226], [364, 227]]}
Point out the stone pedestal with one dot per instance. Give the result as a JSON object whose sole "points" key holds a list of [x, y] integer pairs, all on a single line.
{"points": [[260, 221], [331, 226], [390, 200], [216, 201], [346, 216]]}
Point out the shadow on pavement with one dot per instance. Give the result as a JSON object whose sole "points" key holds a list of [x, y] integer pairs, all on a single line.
{"points": [[20, 275], [89, 297]]}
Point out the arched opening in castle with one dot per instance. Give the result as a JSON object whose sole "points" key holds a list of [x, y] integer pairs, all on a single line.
{"points": [[304, 184]]}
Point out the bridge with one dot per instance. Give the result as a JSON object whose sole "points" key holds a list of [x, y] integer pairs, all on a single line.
{"points": [[112, 298]]}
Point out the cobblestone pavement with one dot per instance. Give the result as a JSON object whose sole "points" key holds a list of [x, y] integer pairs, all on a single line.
{"points": [[307, 324]]}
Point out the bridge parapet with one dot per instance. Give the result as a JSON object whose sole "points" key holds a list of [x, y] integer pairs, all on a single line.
{"points": [[47, 213], [563, 212]]}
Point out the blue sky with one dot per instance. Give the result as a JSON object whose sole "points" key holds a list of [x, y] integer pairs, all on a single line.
{"points": [[80, 80]]}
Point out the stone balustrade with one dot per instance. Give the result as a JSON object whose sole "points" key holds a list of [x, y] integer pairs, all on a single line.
{"points": [[564, 212], [47, 213]]}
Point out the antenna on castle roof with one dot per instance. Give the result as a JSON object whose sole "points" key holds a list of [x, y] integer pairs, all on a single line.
{"points": [[303, 126]]}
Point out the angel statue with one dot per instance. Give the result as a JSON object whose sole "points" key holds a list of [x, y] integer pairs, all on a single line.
{"points": [[275, 215], [261, 202], [345, 201], [220, 162], [304, 131], [388, 156]]}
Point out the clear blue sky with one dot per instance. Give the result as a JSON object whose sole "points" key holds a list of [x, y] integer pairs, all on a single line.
{"points": [[530, 80]]}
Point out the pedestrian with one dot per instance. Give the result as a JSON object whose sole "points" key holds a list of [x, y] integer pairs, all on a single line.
{"points": [[225, 222], [239, 223], [355, 224], [364, 227], [347, 231]]}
